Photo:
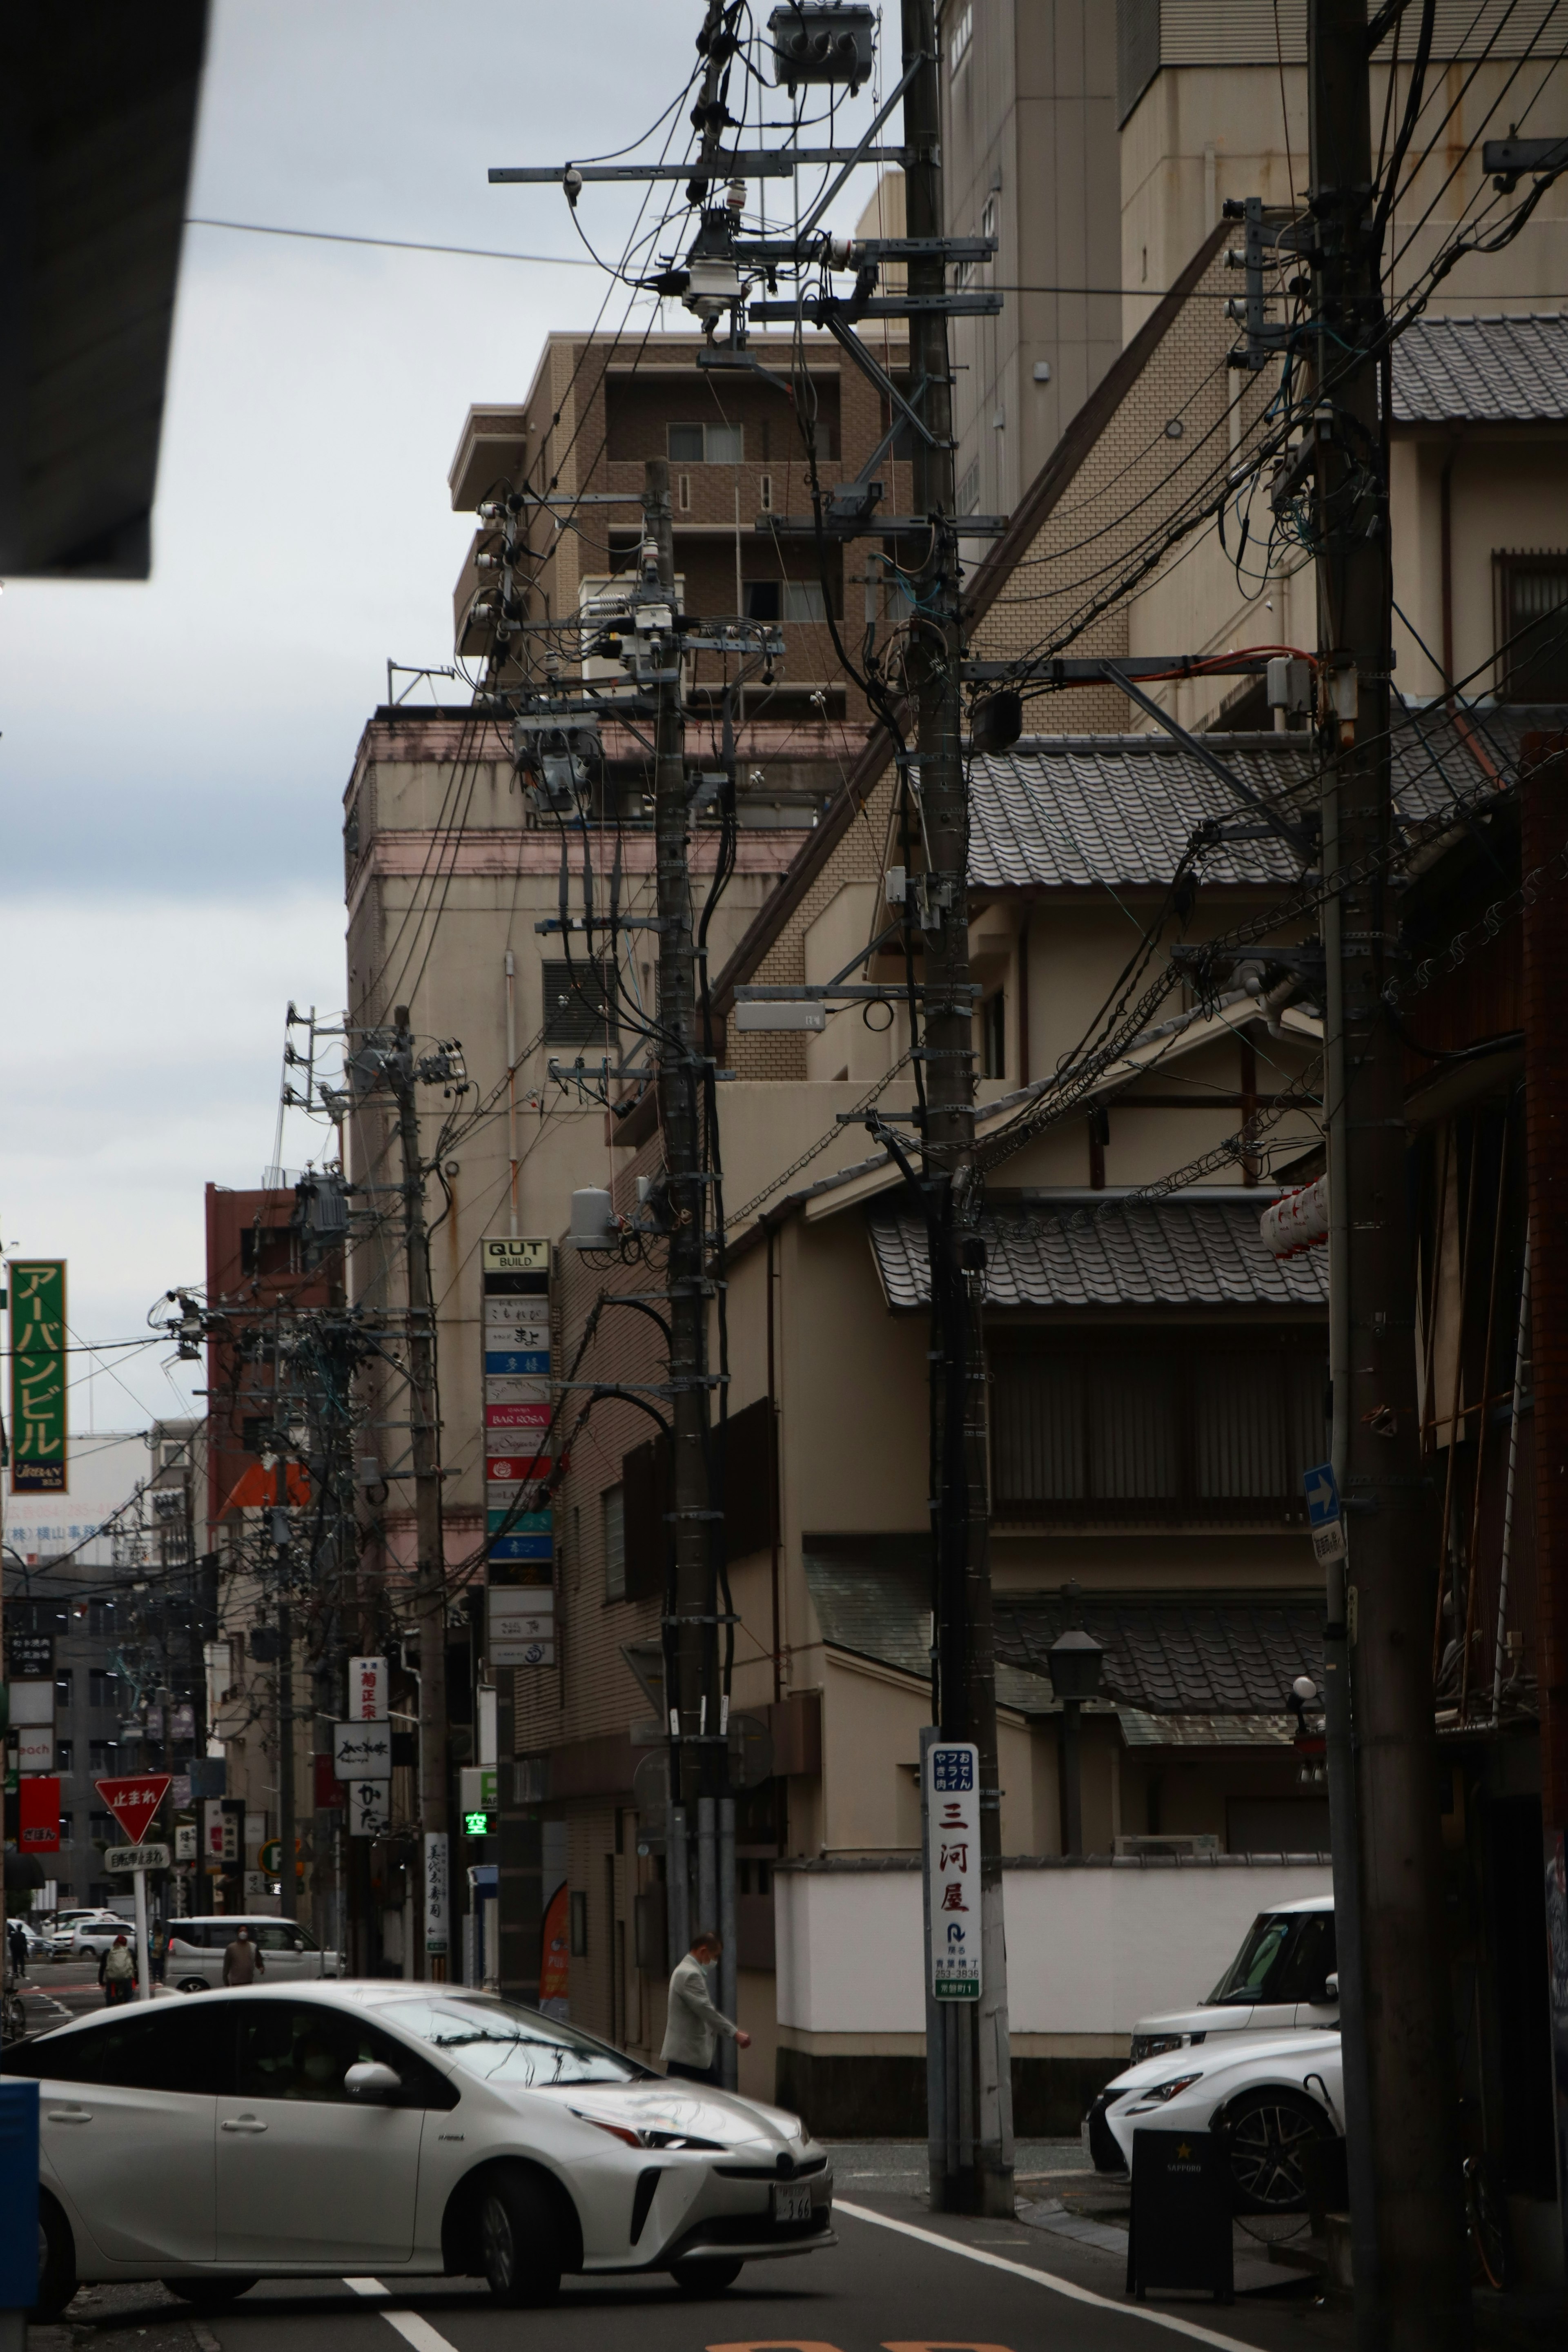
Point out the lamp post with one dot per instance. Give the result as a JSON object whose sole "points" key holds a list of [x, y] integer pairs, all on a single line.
{"points": [[1075, 1661]]}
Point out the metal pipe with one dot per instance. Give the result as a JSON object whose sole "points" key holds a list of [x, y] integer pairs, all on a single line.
{"points": [[678, 1897], [729, 1987], [1518, 1361], [1474, 1554]]}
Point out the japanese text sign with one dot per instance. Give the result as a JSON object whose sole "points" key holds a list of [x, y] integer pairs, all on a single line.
{"points": [[953, 1863], [38, 1376], [367, 1689], [362, 1752], [133, 1798]]}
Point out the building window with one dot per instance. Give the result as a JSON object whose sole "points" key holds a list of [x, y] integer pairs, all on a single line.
{"points": [[960, 35], [65, 1750], [613, 1520], [765, 493], [683, 493], [706, 444], [993, 1037], [988, 217], [1533, 631], [102, 1687], [102, 1755], [579, 1003], [579, 1913], [969, 490], [64, 1681], [1111, 1432], [785, 600], [100, 1827]]}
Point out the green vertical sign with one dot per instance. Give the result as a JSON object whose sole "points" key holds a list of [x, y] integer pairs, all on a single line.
{"points": [[38, 1376]]}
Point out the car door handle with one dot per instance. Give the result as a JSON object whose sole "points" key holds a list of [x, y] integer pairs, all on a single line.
{"points": [[70, 2115], [243, 2124]]}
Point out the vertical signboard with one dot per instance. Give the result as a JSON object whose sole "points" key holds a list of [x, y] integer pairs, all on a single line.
{"points": [[515, 1280], [367, 1689], [952, 1853], [438, 1893], [37, 1376]]}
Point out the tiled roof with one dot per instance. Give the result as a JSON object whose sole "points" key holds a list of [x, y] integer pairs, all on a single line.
{"points": [[1169, 1658], [1193, 1654], [1185, 1251], [1510, 368], [1072, 812]]}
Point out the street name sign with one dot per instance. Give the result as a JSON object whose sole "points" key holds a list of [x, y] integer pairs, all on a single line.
{"points": [[137, 1857]]}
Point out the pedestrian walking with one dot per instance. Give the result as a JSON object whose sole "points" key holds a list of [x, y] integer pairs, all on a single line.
{"points": [[243, 1963], [16, 1937], [117, 1973], [693, 2025]]}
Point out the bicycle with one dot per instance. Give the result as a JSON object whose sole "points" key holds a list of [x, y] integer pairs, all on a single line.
{"points": [[1483, 2226], [13, 2012]]}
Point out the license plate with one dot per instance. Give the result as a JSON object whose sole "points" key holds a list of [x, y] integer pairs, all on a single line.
{"points": [[791, 2201]]}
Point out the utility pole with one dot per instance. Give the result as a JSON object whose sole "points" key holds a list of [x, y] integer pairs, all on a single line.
{"points": [[430, 1566], [971, 2155], [691, 1644], [1420, 2295]]}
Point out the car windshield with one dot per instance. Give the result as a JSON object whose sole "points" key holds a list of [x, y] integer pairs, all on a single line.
{"points": [[1246, 1979], [510, 2045]]}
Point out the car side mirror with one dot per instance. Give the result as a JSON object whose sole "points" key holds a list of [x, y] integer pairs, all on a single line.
{"points": [[371, 2082], [1330, 1986]]}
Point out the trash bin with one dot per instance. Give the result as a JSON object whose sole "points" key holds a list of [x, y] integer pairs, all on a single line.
{"points": [[18, 2209]]}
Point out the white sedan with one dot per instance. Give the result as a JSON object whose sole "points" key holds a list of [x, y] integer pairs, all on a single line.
{"points": [[1270, 2094], [403, 2129]]}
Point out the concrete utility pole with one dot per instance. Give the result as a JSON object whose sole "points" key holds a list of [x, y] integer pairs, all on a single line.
{"points": [[1420, 2295], [971, 2155], [430, 1566], [692, 1646]]}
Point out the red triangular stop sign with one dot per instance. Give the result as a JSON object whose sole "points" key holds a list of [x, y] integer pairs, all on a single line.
{"points": [[133, 1798]]}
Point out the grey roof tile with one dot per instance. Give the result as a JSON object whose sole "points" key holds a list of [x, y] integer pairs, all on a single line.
{"points": [[1185, 1251], [1507, 368]]}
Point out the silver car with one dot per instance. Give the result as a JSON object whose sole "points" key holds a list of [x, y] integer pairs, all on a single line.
{"points": [[289, 1953]]}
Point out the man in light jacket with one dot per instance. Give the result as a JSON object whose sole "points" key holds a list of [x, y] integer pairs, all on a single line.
{"points": [[243, 1963], [693, 2025]]}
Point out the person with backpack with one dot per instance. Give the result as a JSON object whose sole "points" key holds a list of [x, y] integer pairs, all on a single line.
{"points": [[117, 1973]]}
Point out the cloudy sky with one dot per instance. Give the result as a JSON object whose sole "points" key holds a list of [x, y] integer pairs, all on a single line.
{"points": [[173, 755]]}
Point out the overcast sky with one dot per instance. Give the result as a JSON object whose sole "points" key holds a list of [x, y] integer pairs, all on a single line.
{"points": [[173, 755]]}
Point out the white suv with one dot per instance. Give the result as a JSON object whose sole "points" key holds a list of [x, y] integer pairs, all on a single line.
{"points": [[89, 1934], [196, 1946], [1282, 1981]]}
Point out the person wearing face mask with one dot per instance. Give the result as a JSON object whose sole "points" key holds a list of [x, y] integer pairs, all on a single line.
{"points": [[243, 1963]]}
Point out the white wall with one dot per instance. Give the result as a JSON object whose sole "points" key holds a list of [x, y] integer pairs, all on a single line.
{"points": [[1089, 1951]]}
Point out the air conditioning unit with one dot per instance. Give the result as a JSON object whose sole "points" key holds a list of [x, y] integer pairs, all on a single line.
{"points": [[1187, 1845]]}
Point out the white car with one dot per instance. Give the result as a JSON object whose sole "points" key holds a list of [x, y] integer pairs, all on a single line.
{"points": [[1282, 1980], [194, 1956], [395, 2128], [1270, 2094], [88, 1937]]}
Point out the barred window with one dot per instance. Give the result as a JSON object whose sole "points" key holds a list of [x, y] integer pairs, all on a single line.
{"points": [[1532, 628], [612, 1521], [1110, 1431], [579, 1003]]}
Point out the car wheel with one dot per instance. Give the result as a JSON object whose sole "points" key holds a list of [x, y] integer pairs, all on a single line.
{"points": [[57, 2263], [208, 2294], [518, 2241], [705, 2278], [191, 1984], [1266, 2131]]}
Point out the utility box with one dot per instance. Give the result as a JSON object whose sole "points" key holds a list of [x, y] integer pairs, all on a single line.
{"points": [[18, 2197]]}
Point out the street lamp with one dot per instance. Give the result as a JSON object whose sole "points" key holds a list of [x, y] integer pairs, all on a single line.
{"points": [[1075, 1661]]}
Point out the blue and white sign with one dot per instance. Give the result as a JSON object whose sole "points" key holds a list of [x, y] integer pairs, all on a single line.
{"points": [[952, 1855], [1324, 1514]]}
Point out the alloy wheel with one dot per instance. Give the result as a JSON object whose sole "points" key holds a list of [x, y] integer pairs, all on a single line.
{"points": [[1266, 2145], [498, 2246]]}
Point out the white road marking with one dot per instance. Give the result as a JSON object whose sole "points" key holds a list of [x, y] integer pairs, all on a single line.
{"points": [[409, 2325], [1166, 2319]]}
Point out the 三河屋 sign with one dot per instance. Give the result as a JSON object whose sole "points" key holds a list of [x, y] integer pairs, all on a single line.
{"points": [[37, 1376], [952, 1867]]}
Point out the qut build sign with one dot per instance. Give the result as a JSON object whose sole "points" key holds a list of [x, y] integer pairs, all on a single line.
{"points": [[952, 1867]]}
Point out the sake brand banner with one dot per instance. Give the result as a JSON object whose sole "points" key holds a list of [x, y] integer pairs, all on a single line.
{"points": [[38, 1287], [515, 1275]]}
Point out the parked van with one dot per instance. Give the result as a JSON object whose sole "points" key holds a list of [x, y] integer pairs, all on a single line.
{"points": [[1282, 1981], [194, 1961]]}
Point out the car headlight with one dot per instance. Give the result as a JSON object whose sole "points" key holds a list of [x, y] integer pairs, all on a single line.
{"points": [[1158, 2093], [636, 2137]]}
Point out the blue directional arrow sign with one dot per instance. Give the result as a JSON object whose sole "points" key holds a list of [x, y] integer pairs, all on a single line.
{"points": [[1323, 1514]]}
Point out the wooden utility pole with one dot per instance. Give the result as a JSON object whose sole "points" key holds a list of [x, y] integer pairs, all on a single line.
{"points": [[1420, 2296], [430, 1566], [972, 2149]]}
